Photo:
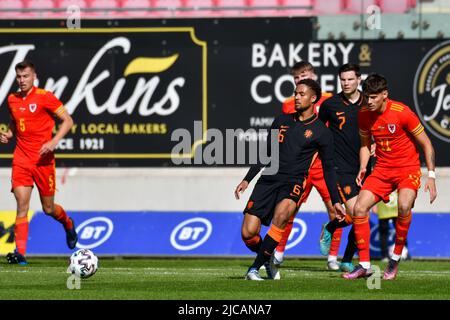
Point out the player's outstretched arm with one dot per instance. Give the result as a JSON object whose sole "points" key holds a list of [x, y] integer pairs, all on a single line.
{"points": [[67, 123], [364, 156], [425, 143], [240, 189]]}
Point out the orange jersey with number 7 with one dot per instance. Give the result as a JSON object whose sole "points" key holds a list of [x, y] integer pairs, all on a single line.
{"points": [[392, 131], [33, 119]]}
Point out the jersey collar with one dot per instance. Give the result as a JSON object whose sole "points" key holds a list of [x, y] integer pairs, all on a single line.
{"points": [[347, 102], [32, 91], [306, 121]]}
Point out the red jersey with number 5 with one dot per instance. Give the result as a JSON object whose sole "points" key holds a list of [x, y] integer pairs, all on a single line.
{"points": [[33, 118], [394, 132]]}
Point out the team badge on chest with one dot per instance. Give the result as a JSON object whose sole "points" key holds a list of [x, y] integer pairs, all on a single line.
{"points": [[32, 107], [391, 128], [308, 134]]}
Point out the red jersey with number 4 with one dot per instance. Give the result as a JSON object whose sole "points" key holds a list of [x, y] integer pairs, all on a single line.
{"points": [[394, 132], [33, 118]]}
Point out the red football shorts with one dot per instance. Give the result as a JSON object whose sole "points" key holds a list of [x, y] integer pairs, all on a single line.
{"points": [[41, 175], [315, 178], [382, 182]]}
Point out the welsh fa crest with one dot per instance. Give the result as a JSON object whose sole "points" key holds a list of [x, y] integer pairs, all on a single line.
{"points": [[32, 107], [391, 128]]}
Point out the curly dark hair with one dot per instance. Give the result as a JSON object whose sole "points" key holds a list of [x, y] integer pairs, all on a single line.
{"points": [[314, 86]]}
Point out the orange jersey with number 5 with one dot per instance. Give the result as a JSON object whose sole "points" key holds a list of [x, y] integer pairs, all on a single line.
{"points": [[394, 132], [33, 119]]}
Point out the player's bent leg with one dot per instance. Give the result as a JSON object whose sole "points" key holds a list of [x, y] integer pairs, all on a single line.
{"points": [[366, 200], [58, 213], [325, 240], [350, 249], [251, 227], [278, 254], [406, 198], [283, 211], [22, 195]]}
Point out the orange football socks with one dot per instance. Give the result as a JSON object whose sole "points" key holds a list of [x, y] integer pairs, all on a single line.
{"points": [[21, 234]]}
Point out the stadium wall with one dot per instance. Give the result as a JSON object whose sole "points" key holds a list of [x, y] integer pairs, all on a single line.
{"points": [[174, 189]]}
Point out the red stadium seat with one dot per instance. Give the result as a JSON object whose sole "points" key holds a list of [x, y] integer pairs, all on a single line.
{"points": [[17, 5], [144, 5], [397, 6], [176, 4], [264, 3], [271, 8], [41, 4], [200, 8], [231, 8], [167, 8], [288, 7], [66, 3], [42, 8], [328, 6], [104, 4], [107, 5], [359, 6]]}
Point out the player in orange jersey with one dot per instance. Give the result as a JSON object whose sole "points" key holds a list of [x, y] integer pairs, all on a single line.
{"points": [[304, 70], [32, 112], [396, 130]]}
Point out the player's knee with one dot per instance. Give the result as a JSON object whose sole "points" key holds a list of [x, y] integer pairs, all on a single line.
{"points": [[22, 209], [281, 219], [403, 209], [48, 209], [247, 236], [360, 210], [248, 233]]}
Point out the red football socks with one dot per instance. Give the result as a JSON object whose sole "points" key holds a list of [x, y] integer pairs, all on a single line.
{"points": [[335, 242], [287, 231], [401, 232], [21, 234], [362, 237], [62, 217]]}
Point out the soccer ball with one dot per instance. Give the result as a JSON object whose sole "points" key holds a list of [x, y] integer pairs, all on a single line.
{"points": [[83, 263]]}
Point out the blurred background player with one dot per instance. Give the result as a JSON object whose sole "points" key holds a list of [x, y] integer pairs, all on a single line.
{"points": [[304, 70], [340, 113], [276, 198], [32, 112], [396, 130], [388, 212]]}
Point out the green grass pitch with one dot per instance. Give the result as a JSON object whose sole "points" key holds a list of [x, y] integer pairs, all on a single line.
{"points": [[215, 279]]}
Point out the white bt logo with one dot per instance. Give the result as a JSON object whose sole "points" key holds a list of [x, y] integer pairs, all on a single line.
{"points": [[93, 232], [191, 234]]}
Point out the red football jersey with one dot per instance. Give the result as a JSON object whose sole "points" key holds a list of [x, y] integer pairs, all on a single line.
{"points": [[33, 117], [393, 131]]}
